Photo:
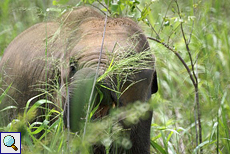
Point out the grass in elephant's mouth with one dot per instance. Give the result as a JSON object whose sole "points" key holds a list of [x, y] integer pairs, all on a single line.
{"points": [[128, 62], [102, 111]]}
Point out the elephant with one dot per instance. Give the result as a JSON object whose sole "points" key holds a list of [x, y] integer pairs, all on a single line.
{"points": [[56, 53]]}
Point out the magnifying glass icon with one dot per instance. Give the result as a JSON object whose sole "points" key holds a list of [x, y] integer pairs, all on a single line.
{"points": [[9, 141]]}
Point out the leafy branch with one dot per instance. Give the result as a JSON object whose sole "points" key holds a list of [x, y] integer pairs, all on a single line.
{"points": [[192, 72]]}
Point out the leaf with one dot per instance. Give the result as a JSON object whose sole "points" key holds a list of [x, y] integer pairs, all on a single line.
{"points": [[201, 145], [158, 147], [169, 136], [214, 128], [4, 93], [166, 21], [114, 7], [144, 13], [8, 107], [107, 2], [132, 4], [38, 130], [30, 112], [164, 140], [60, 2]]}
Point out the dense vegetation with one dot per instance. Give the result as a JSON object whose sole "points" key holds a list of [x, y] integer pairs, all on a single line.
{"points": [[197, 30]]}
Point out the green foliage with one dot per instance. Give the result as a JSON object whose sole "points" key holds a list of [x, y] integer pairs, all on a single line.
{"points": [[213, 69], [51, 136], [60, 2], [173, 126], [4, 94]]}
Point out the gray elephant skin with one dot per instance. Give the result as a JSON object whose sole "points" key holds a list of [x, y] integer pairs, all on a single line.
{"points": [[56, 52]]}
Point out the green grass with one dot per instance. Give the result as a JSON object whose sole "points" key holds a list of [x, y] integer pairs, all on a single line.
{"points": [[210, 40], [173, 126]]}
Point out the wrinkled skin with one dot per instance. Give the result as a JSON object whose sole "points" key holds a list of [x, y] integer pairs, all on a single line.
{"points": [[55, 52]]}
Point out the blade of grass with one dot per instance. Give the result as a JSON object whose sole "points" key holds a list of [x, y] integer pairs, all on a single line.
{"points": [[157, 147]]}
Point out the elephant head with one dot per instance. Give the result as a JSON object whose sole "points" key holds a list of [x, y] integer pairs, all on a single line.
{"points": [[66, 53]]}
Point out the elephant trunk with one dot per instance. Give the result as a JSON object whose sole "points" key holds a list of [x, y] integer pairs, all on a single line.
{"points": [[80, 89]]}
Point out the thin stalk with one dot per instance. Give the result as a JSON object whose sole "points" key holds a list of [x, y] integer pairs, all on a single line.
{"points": [[150, 25], [217, 135], [195, 76], [46, 72], [178, 56], [96, 76], [104, 6], [195, 84], [161, 28], [67, 119], [195, 117], [185, 40]]}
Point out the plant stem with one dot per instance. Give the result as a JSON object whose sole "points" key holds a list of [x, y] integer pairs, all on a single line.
{"points": [[178, 55], [194, 80]]}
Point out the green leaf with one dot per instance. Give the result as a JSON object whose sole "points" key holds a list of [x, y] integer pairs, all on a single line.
{"points": [[60, 2], [8, 107], [4, 93], [35, 106], [38, 130], [89, 1], [144, 13], [158, 147], [114, 7], [107, 2], [132, 4], [164, 139], [169, 136], [201, 145]]}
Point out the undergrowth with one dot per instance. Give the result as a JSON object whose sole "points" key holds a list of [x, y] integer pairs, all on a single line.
{"points": [[173, 125]]}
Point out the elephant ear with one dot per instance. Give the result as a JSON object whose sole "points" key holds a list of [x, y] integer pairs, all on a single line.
{"points": [[154, 83]]}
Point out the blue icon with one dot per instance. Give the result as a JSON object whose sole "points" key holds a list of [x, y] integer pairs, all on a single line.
{"points": [[9, 141]]}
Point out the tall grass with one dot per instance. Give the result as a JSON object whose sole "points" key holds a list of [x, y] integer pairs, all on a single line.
{"points": [[210, 40], [173, 125]]}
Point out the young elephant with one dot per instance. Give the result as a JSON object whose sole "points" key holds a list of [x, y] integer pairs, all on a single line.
{"points": [[59, 53]]}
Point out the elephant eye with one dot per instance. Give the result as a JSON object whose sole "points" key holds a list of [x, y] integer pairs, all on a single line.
{"points": [[73, 69]]}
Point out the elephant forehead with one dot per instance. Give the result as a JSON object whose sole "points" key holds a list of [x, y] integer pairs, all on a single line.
{"points": [[87, 50], [93, 40], [121, 35], [112, 23], [122, 31]]}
